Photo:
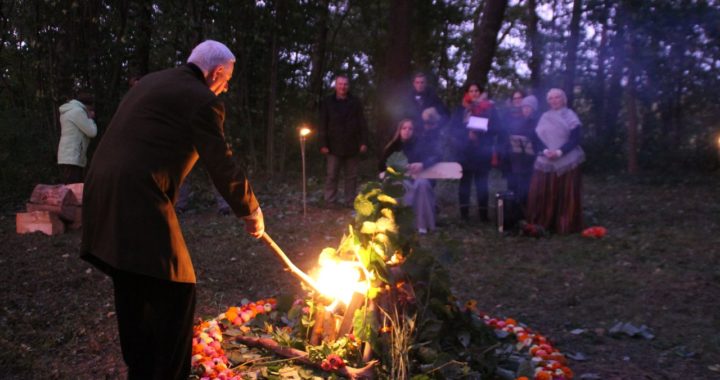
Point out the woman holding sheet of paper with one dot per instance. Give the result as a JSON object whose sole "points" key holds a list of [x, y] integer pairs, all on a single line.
{"points": [[555, 189], [422, 152], [477, 134]]}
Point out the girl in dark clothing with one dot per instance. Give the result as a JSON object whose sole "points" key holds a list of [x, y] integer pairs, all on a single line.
{"points": [[476, 135], [421, 153]]}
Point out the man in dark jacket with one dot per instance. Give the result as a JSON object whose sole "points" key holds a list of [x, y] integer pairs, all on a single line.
{"points": [[422, 97], [163, 125], [343, 136]]}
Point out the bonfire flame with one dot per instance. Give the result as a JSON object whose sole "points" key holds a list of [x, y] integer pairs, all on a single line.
{"points": [[340, 279]]}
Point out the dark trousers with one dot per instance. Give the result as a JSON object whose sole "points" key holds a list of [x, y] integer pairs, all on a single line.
{"points": [[155, 322], [519, 183], [480, 179], [349, 166], [71, 173]]}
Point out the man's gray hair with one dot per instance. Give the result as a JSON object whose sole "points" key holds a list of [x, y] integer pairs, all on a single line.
{"points": [[209, 54]]}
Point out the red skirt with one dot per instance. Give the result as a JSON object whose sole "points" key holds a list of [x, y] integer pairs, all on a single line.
{"points": [[554, 201]]}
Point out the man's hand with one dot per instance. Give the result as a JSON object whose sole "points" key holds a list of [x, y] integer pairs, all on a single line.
{"points": [[255, 224], [324, 150], [363, 148]]}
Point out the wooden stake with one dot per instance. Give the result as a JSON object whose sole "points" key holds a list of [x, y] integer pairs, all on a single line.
{"points": [[346, 325]]}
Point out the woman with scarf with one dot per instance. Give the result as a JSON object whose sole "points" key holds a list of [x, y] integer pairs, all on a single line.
{"points": [[477, 134], [554, 201], [422, 152], [521, 150]]}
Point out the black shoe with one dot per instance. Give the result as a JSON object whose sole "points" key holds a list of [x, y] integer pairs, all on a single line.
{"points": [[484, 215]]}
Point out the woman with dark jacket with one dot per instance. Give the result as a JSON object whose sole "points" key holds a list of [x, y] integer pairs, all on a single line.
{"points": [[521, 150], [422, 152], [477, 134], [555, 189]]}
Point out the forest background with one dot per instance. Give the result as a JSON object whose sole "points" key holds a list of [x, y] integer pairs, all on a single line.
{"points": [[640, 74]]}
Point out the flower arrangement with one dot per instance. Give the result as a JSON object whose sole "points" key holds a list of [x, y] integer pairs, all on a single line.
{"points": [[210, 361]]}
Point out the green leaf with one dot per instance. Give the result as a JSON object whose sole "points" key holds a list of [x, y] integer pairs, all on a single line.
{"points": [[397, 161], [365, 324], [364, 207]]}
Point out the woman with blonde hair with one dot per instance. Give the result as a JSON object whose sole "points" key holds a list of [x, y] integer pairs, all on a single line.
{"points": [[422, 152], [554, 201]]}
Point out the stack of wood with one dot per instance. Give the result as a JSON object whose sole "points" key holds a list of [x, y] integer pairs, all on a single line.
{"points": [[52, 209]]}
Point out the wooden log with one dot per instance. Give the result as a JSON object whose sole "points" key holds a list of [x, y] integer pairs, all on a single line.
{"points": [[77, 191], [76, 222], [65, 212], [318, 326], [365, 373], [58, 199], [39, 221], [346, 325], [330, 328], [53, 195]]}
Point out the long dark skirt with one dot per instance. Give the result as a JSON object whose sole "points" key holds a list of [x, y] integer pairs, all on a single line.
{"points": [[555, 201]]}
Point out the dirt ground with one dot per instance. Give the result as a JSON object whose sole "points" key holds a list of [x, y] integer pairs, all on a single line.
{"points": [[659, 266]]}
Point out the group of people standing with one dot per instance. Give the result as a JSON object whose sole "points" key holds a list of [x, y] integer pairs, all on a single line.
{"points": [[539, 154]]}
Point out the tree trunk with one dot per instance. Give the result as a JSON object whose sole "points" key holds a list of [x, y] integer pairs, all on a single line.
{"points": [[533, 37], [318, 57], [143, 38], [485, 41], [571, 49], [632, 111], [599, 100], [396, 71], [614, 92], [272, 88]]}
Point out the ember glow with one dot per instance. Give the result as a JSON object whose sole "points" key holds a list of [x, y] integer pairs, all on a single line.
{"points": [[339, 279]]}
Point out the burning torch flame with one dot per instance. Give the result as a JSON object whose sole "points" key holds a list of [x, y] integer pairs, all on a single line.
{"points": [[304, 131]]}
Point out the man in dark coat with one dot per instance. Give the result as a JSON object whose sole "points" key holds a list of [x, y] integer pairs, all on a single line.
{"points": [[422, 97], [163, 125], [343, 135]]}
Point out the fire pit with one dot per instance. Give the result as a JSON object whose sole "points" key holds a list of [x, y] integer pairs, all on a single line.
{"points": [[377, 306]]}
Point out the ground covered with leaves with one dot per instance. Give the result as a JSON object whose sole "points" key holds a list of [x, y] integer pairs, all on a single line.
{"points": [[640, 303]]}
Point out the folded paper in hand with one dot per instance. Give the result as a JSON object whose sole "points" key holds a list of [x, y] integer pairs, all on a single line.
{"points": [[478, 123]]}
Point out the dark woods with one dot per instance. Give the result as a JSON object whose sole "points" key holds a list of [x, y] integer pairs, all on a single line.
{"points": [[639, 73]]}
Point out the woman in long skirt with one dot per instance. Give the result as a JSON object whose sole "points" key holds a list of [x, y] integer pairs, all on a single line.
{"points": [[554, 201]]}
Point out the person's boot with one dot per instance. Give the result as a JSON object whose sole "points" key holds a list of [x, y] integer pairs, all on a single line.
{"points": [[465, 213], [484, 214]]}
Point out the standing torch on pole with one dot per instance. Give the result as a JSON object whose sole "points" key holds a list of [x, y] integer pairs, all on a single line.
{"points": [[304, 132]]}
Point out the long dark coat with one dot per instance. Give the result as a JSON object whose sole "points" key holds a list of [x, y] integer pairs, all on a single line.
{"points": [[342, 125], [163, 124]]}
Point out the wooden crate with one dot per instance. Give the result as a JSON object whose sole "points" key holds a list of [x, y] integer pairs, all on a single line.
{"points": [[39, 221]]}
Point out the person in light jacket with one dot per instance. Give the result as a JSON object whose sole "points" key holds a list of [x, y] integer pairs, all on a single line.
{"points": [[77, 128]]}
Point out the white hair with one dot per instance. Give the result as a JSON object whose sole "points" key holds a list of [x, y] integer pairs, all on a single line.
{"points": [[209, 54], [557, 91]]}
